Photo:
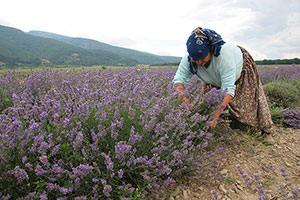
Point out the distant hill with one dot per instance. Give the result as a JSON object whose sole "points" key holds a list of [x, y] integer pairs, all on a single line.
{"points": [[18, 49], [140, 57]]}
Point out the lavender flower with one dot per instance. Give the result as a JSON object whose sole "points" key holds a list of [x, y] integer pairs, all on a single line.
{"points": [[44, 161], [83, 170], [78, 141], [20, 174], [43, 196], [109, 164], [81, 198], [39, 170], [120, 173], [106, 191], [295, 194]]}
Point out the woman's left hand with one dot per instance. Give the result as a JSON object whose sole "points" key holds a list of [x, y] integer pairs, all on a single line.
{"points": [[214, 120]]}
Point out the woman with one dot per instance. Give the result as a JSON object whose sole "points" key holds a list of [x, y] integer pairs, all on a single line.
{"points": [[228, 67]]}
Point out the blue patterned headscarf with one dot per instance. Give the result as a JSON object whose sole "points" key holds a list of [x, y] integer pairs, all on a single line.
{"points": [[201, 42]]}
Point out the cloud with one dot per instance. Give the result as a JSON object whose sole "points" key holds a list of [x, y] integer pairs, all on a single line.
{"points": [[268, 28], [274, 29], [5, 22]]}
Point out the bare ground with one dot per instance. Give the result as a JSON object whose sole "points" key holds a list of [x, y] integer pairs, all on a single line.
{"points": [[254, 157]]}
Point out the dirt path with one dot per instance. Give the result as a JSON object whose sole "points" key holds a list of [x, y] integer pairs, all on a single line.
{"points": [[278, 164]]}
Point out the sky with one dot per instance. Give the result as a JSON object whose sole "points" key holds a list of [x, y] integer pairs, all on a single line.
{"points": [[268, 29]]}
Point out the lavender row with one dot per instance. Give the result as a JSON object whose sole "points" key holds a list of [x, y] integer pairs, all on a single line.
{"points": [[268, 74], [99, 134]]}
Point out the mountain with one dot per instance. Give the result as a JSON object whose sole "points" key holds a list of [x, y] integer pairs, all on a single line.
{"points": [[18, 49], [140, 57]]}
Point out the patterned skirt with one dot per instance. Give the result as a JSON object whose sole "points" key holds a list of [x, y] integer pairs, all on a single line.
{"points": [[249, 105]]}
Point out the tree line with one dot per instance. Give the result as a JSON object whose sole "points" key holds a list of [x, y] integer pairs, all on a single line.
{"points": [[278, 62], [259, 62]]}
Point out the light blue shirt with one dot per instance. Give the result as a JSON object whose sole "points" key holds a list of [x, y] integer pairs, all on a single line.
{"points": [[222, 71]]}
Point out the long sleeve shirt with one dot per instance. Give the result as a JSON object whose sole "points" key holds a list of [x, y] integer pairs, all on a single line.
{"points": [[222, 71]]}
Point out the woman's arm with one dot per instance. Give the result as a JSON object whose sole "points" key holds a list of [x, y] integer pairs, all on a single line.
{"points": [[182, 76]]}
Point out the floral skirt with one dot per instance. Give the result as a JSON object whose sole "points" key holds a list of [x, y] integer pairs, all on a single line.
{"points": [[249, 105]]}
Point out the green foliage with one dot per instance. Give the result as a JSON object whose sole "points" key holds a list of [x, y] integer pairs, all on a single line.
{"points": [[284, 102], [275, 113], [296, 83], [5, 99], [283, 94], [278, 61]]}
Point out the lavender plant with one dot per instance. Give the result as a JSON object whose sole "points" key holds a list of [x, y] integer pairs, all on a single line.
{"points": [[108, 134], [290, 117], [282, 87], [282, 94], [256, 183]]}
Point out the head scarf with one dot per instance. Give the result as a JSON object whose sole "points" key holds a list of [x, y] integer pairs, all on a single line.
{"points": [[198, 46], [200, 43]]}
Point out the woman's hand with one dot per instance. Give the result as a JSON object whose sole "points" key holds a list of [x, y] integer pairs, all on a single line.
{"points": [[187, 103], [180, 89], [215, 118]]}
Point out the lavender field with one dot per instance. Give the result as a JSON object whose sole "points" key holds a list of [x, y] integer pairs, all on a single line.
{"points": [[277, 73], [107, 134]]}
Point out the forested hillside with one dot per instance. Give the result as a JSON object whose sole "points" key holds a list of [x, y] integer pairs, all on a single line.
{"points": [[140, 57], [18, 49]]}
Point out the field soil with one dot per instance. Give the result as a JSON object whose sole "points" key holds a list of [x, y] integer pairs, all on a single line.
{"points": [[254, 157]]}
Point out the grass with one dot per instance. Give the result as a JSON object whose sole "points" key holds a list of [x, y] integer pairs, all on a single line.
{"points": [[230, 180], [268, 182]]}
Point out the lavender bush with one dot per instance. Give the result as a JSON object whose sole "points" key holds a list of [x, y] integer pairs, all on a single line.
{"points": [[290, 117], [99, 134], [282, 87], [282, 94]]}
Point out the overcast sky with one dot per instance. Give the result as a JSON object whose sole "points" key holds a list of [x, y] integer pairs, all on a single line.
{"points": [[268, 29]]}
